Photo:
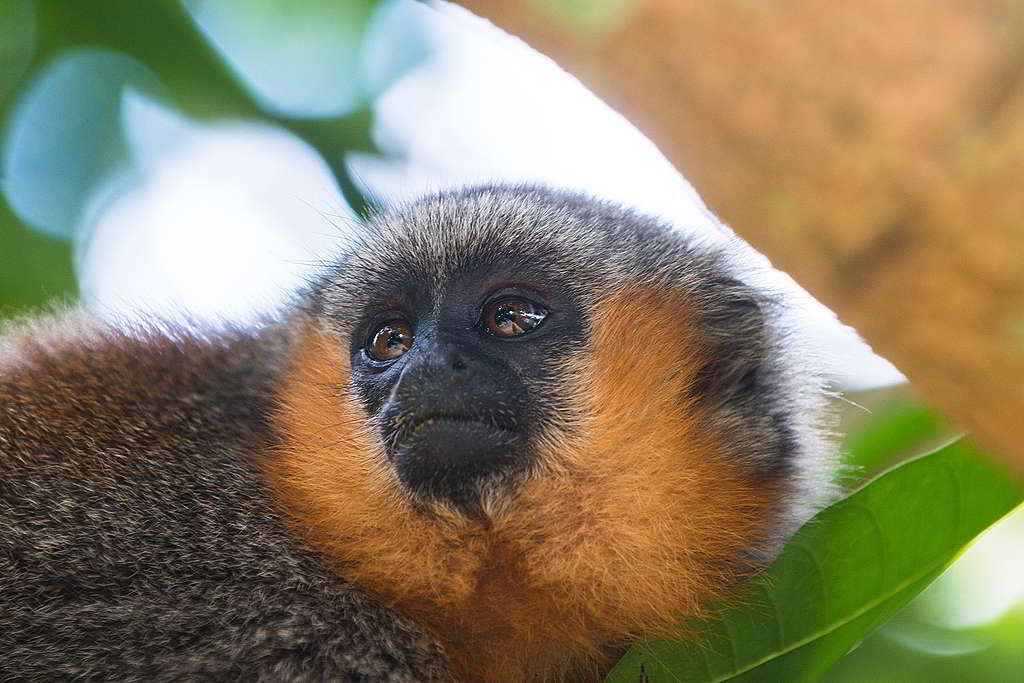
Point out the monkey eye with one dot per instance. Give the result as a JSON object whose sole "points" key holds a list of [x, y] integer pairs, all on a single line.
{"points": [[513, 316], [390, 340]]}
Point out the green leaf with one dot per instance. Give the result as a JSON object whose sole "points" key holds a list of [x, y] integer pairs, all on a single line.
{"points": [[842, 575], [893, 431]]}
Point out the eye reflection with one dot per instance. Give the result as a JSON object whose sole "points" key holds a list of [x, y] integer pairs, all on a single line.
{"points": [[513, 316], [391, 340]]}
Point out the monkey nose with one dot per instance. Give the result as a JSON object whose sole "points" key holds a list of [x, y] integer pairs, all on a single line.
{"points": [[443, 356]]}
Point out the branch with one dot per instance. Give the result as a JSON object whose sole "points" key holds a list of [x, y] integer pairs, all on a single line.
{"points": [[873, 150]]}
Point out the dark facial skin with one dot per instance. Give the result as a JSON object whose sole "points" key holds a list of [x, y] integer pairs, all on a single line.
{"points": [[456, 382]]}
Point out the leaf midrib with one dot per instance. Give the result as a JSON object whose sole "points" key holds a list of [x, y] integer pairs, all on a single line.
{"points": [[834, 625]]}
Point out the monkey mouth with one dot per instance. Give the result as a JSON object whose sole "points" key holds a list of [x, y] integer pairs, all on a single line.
{"points": [[442, 419], [452, 439], [449, 455], [401, 430]]}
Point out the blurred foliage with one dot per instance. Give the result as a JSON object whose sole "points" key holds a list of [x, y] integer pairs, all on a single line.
{"points": [[911, 650], [898, 427], [39, 273], [311, 68], [262, 41], [17, 39], [901, 425], [66, 135], [587, 17], [842, 575]]}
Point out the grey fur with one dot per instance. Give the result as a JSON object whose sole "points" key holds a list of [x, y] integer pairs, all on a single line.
{"points": [[138, 541]]}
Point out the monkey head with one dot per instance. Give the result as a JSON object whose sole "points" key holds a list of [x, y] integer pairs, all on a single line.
{"points": [[471, 320], [521, 390]]}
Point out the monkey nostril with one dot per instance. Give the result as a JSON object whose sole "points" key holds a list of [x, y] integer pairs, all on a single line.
{"points": [[458, 364]]}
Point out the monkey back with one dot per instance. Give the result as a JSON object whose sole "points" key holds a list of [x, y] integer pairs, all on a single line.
{"points": [[138, 541]]}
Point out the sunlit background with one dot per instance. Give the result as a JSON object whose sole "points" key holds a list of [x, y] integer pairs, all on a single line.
{"points": [[203, 157]]}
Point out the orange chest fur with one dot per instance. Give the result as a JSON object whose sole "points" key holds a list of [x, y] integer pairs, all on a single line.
{"points": [[617, 534]]}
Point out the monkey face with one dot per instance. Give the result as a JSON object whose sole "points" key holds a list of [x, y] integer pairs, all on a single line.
{"points": [[452, 375], [474, 324]]}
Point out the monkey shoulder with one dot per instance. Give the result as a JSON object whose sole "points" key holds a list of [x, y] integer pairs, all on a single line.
{"points": [[138, 539]]}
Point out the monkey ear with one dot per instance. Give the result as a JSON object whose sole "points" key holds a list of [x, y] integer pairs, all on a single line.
{"points": [[737, 339]]}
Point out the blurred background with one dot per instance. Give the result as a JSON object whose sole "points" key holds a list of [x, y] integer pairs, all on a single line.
{"points": [[204, 157]]}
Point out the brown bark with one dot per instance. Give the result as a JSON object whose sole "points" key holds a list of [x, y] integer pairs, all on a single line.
{"points": [[873, 150]]}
